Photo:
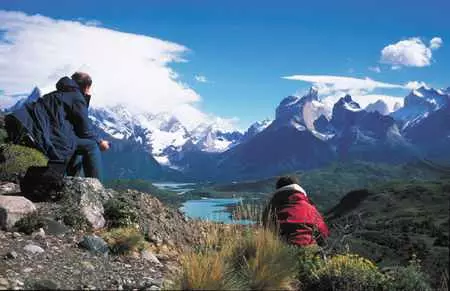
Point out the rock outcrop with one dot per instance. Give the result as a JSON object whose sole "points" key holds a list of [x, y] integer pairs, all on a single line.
{"points": [[12, 209]]}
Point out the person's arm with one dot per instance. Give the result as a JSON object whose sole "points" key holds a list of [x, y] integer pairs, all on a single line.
{"points": [[81, 122], [321, 228]]}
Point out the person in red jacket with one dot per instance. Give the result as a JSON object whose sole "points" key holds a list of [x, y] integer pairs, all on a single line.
{"points": [[294, 216]]}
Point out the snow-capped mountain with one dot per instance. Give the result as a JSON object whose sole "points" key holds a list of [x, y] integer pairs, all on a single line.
{"points": [[379, 106], [419, 104], [162, 134], [256, 128], [306, 133], [35, 94]]}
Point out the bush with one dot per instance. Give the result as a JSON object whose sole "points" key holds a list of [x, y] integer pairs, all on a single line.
{"points": [[120, 213], [16, 159], [70, 214], [125, 240], [30, 223], [3, 136], [346, 272], [408, 278]]}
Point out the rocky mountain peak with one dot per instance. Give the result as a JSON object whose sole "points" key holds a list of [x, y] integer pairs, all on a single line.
{"points": [[378, 106]]}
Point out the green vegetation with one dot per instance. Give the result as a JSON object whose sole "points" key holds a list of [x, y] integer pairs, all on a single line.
{"points": [[70, 214], [3, 136], [125, 240], [168, 197], [16, 159], [119, 213], [30, 223], [325, 186], [252, 258], [395, 221]]}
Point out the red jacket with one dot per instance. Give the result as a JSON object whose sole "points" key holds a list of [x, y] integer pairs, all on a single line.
{"points": [[298, 220]]}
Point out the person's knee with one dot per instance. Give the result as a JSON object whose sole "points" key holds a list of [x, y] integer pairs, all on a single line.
{"points": [[88, 146]]}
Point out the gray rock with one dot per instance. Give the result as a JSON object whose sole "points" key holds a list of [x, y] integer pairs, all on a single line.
{"points": [[11, 255], [13, 208], [4, 284], [94, 244], [88, 266], [53, 227], [88, 194], [150, 257], [40, 234], [33, 249], [7, 188], [41, 284]]}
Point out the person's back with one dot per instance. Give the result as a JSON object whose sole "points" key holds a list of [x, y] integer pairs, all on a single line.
{"points": [[59, 125], [295, 217], [46, 121]]}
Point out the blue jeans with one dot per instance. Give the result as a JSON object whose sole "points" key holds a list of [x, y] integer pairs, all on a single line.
{"points": [[87, 156]]}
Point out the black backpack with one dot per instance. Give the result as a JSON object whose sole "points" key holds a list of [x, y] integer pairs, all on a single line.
{"points": [[42, 184]]}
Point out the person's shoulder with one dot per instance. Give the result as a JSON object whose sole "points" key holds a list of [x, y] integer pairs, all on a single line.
{"points": [[72, 97]]}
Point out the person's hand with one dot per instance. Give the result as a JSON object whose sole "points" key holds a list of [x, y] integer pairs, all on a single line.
{"points": [[104, 145]]}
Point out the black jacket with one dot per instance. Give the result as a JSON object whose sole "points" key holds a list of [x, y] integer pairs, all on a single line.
{"points": [[56, 120]]}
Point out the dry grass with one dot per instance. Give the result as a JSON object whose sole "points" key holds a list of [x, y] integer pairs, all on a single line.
{"points": [[125, 240], [238, 257]]}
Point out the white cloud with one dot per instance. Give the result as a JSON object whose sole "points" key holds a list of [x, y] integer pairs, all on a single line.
{"points": [[412, 85], [201, 79], [411, 52], [435, 43], [126, 68], [332, 88], [327, 85], [364, 100], [375, 69]]}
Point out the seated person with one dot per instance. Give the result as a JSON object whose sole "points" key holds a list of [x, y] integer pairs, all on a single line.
{"points": [[293, 215], [59, 126]]}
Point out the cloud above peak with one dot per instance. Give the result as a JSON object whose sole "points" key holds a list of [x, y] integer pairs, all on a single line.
{"points": [[327, 84], [129, 69], [411, 52]]}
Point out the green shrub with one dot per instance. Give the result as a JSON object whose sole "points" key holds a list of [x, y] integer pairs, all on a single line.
{"points": [[408, 278], [345, 273], [120, 213], [125, 240], [30, 223], [16, 159], [70, 214], [3, 136]]}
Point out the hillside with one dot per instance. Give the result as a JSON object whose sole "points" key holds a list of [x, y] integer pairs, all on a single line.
{"points": [[391, 223], [327, 185]]}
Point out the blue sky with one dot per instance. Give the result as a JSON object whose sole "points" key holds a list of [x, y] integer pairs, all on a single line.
{"points": [[243, 48]]}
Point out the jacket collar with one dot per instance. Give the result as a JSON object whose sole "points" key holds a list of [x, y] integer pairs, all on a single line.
{"points": [[294, 187]]}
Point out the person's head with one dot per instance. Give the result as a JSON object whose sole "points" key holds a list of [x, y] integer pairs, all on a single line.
{"points": [[83, 81], [286, 180]]}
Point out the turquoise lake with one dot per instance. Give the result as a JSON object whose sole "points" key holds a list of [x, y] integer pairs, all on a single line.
{"points": [[210, 209]]}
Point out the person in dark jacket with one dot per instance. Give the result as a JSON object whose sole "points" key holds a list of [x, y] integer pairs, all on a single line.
{"points": [[58, 124], [293, 215]]}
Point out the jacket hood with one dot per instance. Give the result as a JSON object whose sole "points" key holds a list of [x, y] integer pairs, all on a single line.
{"points": [[294, 187], [65, 84]]}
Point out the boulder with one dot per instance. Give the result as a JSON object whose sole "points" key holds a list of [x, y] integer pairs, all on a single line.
{"points": [[8, 188], [94, 244], [13, 208], [87, 195]]}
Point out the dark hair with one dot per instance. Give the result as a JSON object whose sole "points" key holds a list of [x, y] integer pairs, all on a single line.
{"points": [[286, 180], [83, 80]]}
